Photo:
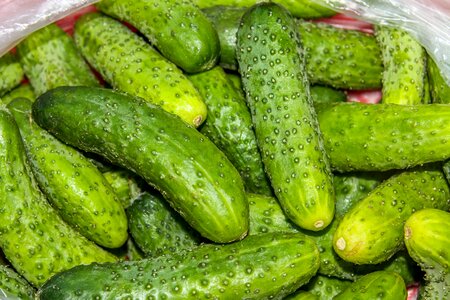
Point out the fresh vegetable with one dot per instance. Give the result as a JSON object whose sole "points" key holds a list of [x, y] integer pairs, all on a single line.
{"points": [[13, 286], [439, 88], [325, 288], [22, 91], [11, 73], [126, 185]]}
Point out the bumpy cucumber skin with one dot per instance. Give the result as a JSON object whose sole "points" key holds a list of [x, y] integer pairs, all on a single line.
{"points": [[439, 89], [325, 288], [288, 135], [427, 241], [178, 29], [131, 65], [13, 286], [371, 231], [376, 285], [404, 61], [11, 73], [125, 184], [229, 126], [72, 184], [22, 91], [50, 59], [268, 266], [33, 237], [384, 136], [156, 228], [187, 168]]}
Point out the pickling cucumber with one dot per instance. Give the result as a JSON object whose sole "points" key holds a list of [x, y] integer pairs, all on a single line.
{"points": [[13, 286], [11, 72], [22, 91]]}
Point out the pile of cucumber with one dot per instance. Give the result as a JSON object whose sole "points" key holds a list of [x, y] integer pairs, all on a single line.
{"points": [[205, 150]]}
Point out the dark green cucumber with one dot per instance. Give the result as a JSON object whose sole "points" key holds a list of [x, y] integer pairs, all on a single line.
{"points": [[22, 91], [178, 29], [266, 266], [376, 285], [404, 61], [11, 73], [371, 231], [288, 135], [439, 88], [72, 184], [33, 237], [185, 166], [384, 136], [427, 241], [325, 288], [156, 228], [131, 65], [50, 59], [14, 286], [229, 126], [126, 185]]}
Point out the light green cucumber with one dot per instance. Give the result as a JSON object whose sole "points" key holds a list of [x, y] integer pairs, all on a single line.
{"points": [[126, 185], [22, 91], [186, 167], [131, 65], [11, 72], [14, 286], [439, 88], [266, 266], [71, 183], [288, 135], [229, 126], [33, 237], [178, 29], [371, 231], [325, 288], [50, 59]]}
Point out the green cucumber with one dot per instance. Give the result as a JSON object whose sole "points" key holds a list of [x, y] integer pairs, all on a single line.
{"points": [[126, 185], [266, 266], [325, 288], [178, 29], [427, 241], [404, 61], [131, 65], [384, 136], [439, 88], [33, 237], [376, 285], [14, 286], [235, 78], [371, 231], [11, 73], [22, 91], [156, 228], [229, 126], [50, 59], [326, 94], [186, 167], [72, 184], [301, 295], [288, 135]]}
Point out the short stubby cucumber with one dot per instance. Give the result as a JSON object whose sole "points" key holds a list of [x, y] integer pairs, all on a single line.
{"points": [[178, 29], [229, 126], [13, 286], [267, 266], [186, 167], [131, 65], [11, 72], [371, 231], [50, 59], [71, 182], [288, 135], [439, 88], [22, 91], [384, 137], [427, 241], [34, 238]]}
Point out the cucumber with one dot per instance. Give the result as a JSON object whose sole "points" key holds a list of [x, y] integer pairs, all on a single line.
{"points": [[325, 288], [50, 59], [229, 126], [126, 185], [131, 65], [33, 237], [71, 183], [371, 231], [376, 285], [14, 286], [178, 29], [384, 136], [288, 135], [236, 80], [326, 94], [11, 73], [156, 228], [267, 266], [427, 241], [302, 295], [187, 168], [22, 91], [404, 61], [439, 88]]}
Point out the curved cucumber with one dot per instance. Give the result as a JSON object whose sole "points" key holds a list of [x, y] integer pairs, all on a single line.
{"points": [[33, 237], [13, 286], [266, 266], [11, 73], [50, 59], [186, 167], [71, 183], [131, 65], [178, 29], [229, 126], [289, 138]]}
